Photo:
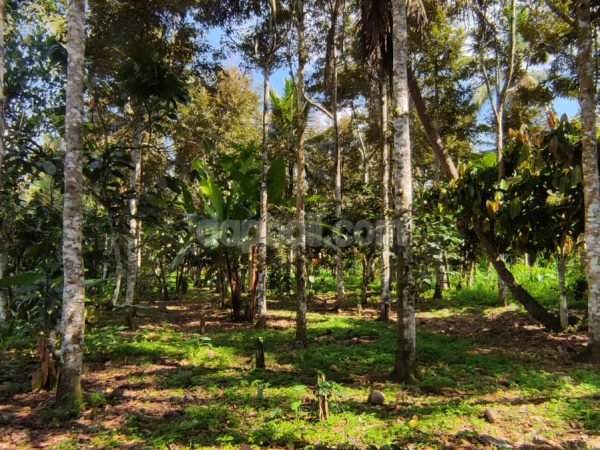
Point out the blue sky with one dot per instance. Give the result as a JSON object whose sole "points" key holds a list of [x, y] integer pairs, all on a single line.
{"points": [[567, 106], [234, 59]]}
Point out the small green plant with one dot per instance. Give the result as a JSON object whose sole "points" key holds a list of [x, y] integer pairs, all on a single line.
{"points": [[95, 399]]}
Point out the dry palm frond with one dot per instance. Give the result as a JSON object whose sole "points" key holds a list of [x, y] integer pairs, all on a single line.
{"points": [[376, 29]]}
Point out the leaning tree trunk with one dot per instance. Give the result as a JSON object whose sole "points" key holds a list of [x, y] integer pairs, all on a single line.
{"points": [[133, 239], [535, 309], [591, 178], [261, 276], [301, 306], [385, 197], [405, 364], [72, 323]]}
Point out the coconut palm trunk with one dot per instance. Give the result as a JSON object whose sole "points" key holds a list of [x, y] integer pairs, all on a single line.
{"points": [[301, 306], [72, 321], [404, 368], [591, 178]]}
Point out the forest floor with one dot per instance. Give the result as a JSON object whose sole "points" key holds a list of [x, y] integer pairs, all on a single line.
{"points": [[166, 386]]}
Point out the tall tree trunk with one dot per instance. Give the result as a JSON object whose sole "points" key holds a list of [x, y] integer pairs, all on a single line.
{"points": [[72, 322], [261, 276], [337, 190], [405, 364], [2, 98], [4, 297], [4, 307], [133, 238], [118, 269], [502, 298], [535, 309], [562, 291], [497, 105], [384, 313], [591, 178], [301, 306]]}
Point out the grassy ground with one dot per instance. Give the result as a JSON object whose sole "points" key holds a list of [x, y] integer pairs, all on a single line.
{"points": [[166, 386]]}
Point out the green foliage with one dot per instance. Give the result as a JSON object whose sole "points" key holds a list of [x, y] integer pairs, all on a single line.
{"points": [[539, 203]]}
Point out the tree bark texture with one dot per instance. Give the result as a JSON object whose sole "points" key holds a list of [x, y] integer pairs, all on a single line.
{"points": [[404, 369], [73, 307]]}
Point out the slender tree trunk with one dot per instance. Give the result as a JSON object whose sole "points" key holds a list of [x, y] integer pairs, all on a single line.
{"points": [[133, 239], [591, 178], [301, 306], [4, 303], [290, 186], [405, 365], [385, 197], [290, 268], [118, 269], [500, 141], [535, 309], [441, 279], [4, 309], [364, 156], [530, 258], [562, 291], [261, 291], [366, 278], [72, 323], [222, 287], [337, 191], [2, 98], [252, 284], [502, 298], [233, 277]]}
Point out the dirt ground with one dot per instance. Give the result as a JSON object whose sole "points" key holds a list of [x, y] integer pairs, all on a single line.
{"points": [[26, 417]]}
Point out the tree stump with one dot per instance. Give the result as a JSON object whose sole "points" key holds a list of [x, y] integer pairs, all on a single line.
{"points": [[260, 353], [46, 376], [322, 394], [202, 325]]}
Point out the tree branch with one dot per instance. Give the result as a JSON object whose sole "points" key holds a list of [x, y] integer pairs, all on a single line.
{"points": [[318, 106]]}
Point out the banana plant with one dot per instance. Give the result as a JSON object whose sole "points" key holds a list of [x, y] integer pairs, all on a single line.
{"points": [[224, 209]]}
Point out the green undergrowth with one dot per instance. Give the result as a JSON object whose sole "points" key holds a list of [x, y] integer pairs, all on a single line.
{"points": [[236, 404]]}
